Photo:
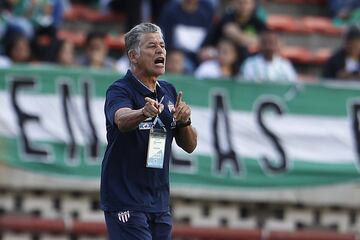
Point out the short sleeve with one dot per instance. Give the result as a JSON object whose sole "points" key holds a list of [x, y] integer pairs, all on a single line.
{"points": [[116, 98]]}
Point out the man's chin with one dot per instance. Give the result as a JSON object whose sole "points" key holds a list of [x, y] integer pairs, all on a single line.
{"points": [[159, 72]]}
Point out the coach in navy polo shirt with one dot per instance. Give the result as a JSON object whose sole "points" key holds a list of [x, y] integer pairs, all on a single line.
{"points": [[143, 115]]}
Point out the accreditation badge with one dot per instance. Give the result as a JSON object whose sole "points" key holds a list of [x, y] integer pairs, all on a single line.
{"points": [[156, 148]]}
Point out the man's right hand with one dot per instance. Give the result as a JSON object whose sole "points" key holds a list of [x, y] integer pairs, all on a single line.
{"points": [[152, 108]]}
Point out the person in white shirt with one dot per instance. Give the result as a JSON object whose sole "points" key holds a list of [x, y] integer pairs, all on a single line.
{"points": [[225, 65], [268, 65]]}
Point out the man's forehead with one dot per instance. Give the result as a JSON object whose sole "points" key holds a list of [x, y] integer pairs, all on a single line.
{"points": [[151, 37]]}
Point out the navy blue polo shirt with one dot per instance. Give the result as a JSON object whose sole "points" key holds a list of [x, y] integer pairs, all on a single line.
{"points": [[126, 182]]}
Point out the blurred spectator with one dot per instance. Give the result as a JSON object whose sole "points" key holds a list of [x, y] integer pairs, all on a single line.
{"points": [[17, 49], [45, 44], [65, 54], [226, 65], [345, 11], [137, 10], [122, 64], [4, 62], [241, 24], [345, 62], [130, 8], [268, 65], [14, 20], [185, 24], [25, 16], [175, 62], [60, 7], [96, 52]]}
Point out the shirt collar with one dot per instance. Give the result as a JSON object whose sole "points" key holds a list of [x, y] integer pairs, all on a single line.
{"points": [[142, 89]]}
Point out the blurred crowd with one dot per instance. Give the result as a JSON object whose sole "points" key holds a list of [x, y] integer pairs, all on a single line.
{"points": [[231, 43]]}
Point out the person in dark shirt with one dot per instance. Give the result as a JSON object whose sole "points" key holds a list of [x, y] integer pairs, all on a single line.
{"points": [[241, 25], [344, 64], [186, 24], [143, 115]]}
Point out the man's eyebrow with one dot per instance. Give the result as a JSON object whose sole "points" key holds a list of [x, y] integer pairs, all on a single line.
{"points": [[154, 42]]}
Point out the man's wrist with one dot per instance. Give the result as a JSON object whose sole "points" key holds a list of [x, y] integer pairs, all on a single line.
{"points": [[143, 113], [183, 124]]}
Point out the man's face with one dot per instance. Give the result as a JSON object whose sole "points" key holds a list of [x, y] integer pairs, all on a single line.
{"points": [[152, 56]]}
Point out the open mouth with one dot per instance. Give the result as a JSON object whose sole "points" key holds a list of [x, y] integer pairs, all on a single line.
{"points": [[159, 61]]}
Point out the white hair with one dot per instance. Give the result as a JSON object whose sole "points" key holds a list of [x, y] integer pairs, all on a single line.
{"points": [[132, 38]]}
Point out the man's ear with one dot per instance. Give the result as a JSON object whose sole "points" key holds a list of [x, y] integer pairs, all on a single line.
{"points": [[132, 54]]}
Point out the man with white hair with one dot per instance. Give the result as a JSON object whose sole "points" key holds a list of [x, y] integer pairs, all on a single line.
{"points": [[143, 115]]}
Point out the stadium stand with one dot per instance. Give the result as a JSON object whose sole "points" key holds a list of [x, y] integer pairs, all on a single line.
{"points": [[295, 30]]}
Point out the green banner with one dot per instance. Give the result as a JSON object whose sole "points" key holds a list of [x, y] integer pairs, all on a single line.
{"points": [[250, 135]]}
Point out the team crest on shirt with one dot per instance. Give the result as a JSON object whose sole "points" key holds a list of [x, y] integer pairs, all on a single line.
{"points": [[171, 106], [124, 216]]}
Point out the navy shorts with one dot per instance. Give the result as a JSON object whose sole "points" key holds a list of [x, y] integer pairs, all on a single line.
{"points": [[133, 225]]}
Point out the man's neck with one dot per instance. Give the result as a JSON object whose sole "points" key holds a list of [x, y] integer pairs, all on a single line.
{"points": [[148, 81]]}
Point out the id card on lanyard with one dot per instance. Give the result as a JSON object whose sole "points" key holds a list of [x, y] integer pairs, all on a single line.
{"points": [[156, 146]]}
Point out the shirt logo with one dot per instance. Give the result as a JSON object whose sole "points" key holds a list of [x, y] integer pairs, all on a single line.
{"points": [[170, 106], [124, 216]]}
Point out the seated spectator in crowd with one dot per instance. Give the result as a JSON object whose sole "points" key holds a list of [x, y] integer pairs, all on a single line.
{"points": [[344, 11], [18, 49], [175, 62], [137, 11], [268, 65], [65, 55], [14, 20], [241, 24], [185, 24], [226, 65], [96, 52], [45, 44], [344, 64], [26, 16]]}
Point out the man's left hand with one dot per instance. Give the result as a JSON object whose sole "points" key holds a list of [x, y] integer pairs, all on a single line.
{"points": [[181, 112]]}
